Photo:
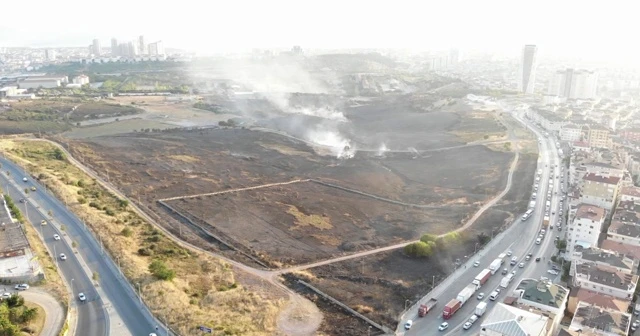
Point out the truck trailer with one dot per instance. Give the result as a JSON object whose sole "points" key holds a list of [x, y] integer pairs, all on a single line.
{"points": [[466, 293], [481, 308], [506, 281], [425, 308], [482, 278], [451, 308], [545, 221], [495, 265]]}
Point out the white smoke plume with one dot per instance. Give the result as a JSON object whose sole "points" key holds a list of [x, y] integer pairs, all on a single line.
{"points": [[383, 149], [339, 146]]}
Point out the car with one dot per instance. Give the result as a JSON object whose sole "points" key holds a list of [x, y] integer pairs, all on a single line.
{"points": [[56, 237], [509, 253], [153, 334], [83, 298], [21, 287], [553, 272], [494, 295], [33, 189], [25, 179], [505, 271], [537, 259], [557, 238], [6, 295], [476, 263], [63, 256], [521, 265], [22, 200], [555, 267], [43, 222], [527, 258], [467, 325], [513, 272], [443, 326], [480, 296]]}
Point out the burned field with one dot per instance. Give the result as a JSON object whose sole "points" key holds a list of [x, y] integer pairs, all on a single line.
{"points": [[398, 197]]}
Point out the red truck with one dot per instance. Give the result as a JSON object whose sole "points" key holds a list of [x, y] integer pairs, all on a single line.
{"points": [[451, 308], [482, 278], [425, 308]]}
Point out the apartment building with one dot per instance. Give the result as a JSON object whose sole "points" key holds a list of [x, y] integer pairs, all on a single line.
{"points": [[593, 320], [629, 193], [599, 136], [585, 228], [600, 257], [578, 295], [600, 190], [508, 320], [542, 295], [604, 280], [571, 133]]}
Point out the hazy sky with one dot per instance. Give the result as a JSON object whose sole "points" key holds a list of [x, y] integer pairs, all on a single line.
{"points": [[563, 27]]}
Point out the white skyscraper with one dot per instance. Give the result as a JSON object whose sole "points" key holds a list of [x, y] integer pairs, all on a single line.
{"points": [[114, 47], [574, 84], [527, 78], [143, 47], [50, 54], [95, 48], [156, 48]]}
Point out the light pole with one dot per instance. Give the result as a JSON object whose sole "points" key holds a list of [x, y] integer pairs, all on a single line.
{"points": [[369, 331], [475, 248], [55, 256], [433, 282], [139, 293]]}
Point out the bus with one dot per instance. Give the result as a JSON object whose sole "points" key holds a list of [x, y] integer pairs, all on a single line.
{"points": [[527, 214]]}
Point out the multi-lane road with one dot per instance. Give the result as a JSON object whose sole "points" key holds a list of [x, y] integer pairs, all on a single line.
{"points": [[519, 239], [96, 316]]}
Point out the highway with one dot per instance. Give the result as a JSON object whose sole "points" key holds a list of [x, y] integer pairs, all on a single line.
{"points": [[94, 317], [518, 238]]}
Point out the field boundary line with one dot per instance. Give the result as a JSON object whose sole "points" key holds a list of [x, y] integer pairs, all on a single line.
{"points": [[234, 190]]}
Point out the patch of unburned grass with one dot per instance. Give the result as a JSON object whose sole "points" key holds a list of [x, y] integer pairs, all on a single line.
{"points": [[302, 220], [37, 324], [184, 158], [204, 291]]}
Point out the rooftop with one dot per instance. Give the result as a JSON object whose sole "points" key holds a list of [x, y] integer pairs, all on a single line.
{"points": [[610, 258], [542, 292], [12, 238], [597, 299], [629, 206], [624, 229], [572, 126], [626, 249], [601, 179], [606, 277], [630, 191], [598, 319], [508, 320], [38, 79], [591, 212]]}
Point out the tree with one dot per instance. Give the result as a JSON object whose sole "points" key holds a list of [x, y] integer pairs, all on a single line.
{"points": [[561, 244], [29, 314], [483, 238], [420, 249], [428, 238]]}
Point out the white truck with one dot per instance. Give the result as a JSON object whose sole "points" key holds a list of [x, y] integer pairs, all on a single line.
{"points": [[495, 265], [481, 308], [502, 256], [532, 204], [506, 281], [466, 294]]}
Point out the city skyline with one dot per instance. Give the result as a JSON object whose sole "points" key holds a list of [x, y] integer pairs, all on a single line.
{"points": [[281, 24]]}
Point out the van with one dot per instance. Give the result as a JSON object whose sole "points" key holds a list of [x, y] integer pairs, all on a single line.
{"points": [[538, 241], [493, 296]]}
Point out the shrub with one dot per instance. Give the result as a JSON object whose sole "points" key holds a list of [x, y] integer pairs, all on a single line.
{"points": [[161, 271], [127, 232], [145, 252]]}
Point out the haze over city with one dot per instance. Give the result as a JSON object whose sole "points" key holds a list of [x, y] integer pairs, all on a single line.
{"points": [[586, 30]]}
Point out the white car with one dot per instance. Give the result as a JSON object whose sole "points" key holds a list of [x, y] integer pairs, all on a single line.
{"points": [[43, 222], [81, 297], [509, 253], [21, 287], [552, 272], [6, 295], [56, 237], [521, 265], [480, 296], [443, 326], [476, 264], [24, 179], [63, 256], [467, 325]]}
